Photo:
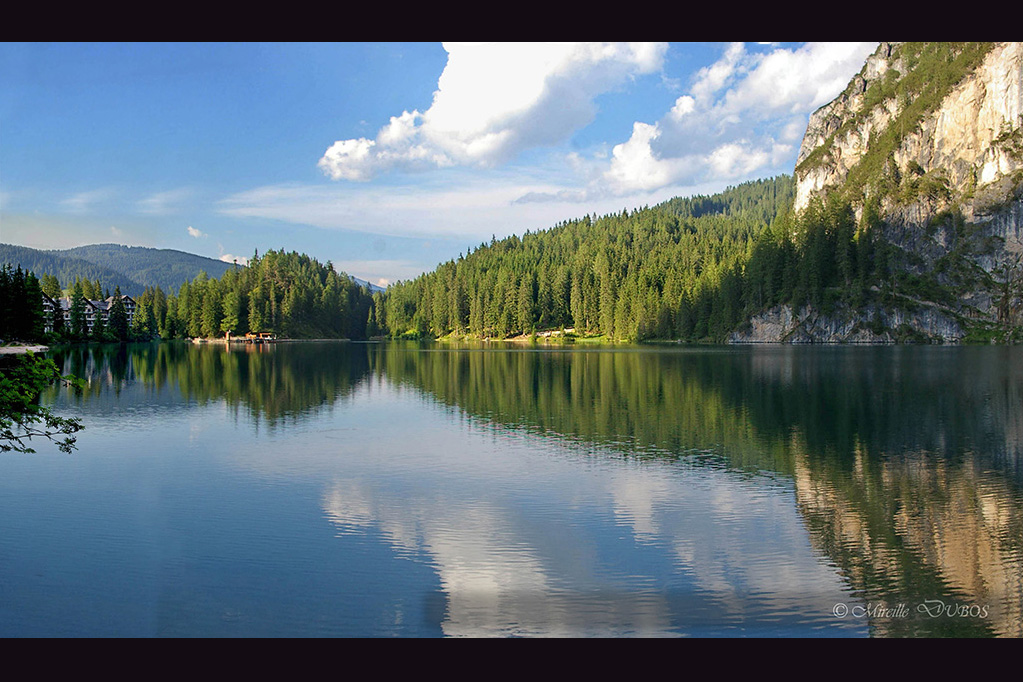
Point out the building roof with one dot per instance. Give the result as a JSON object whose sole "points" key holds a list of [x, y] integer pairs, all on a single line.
{"points": [[65, 302]]}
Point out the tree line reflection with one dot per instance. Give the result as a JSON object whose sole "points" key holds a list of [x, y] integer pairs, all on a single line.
{"points": [[273, 383], [905, 461]]}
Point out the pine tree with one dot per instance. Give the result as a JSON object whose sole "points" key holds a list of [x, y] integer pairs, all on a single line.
{"points": [[118, 322], [51, 286], [79, 327], [142, 323], [232, 319], [99, 328], [212, 311], [60, 330]]}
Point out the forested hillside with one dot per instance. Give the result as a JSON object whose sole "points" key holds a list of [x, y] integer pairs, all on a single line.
{"points": [[903, 224], [676, 270], [289, 294], [132, 268], [691, 269], [67, 268], [164, 268]]}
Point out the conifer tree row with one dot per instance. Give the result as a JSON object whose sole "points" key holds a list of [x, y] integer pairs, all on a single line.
{"points": [[21, 305], [690, 268], [289, 294]]}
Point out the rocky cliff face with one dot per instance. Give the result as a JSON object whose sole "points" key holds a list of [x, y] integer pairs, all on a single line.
{"points": [[931, 135], [924, 323], [972, 136]]}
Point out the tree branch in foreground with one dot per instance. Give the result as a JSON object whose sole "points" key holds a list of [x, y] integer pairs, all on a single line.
{"points": [[22, 418]]}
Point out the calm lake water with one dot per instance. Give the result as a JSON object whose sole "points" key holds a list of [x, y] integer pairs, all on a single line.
{"points": [[349, 489]]}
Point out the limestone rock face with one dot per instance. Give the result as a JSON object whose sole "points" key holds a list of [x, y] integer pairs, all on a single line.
{"points": [[948, 184], [968, 136], [846, 150], [783, 324]]}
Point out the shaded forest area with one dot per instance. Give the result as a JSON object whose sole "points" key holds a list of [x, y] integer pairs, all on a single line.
{"points": [[289, 294], [690, 269]]}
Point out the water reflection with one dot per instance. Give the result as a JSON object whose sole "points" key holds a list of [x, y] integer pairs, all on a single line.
{"points": [[707, 491], [712, 557], [916, 529], [494, 581], [905, 461], [275, 384]]}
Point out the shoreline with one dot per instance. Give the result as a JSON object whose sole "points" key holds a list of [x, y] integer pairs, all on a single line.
{"points": [[243, 341], [17, 350]]}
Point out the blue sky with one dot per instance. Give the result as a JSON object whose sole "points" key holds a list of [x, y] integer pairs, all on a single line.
{"points": [[386, 159]]}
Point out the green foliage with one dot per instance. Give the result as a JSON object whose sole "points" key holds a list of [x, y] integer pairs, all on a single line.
{"points": [[22, 379], [689, 269], [118, 324], [982, 333], [675, 270], [99, 329], [1011, 140], [50, 286], [79, 328], [289, 294], [132, 268], [21, 305], [65, 268], [907, 334]]}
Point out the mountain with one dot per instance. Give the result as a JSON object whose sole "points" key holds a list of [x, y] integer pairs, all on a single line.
{"points": [[165, 268], [902, 224], [66, 268], [926, 142], [954, 110], [363, 283], [132, 268]]}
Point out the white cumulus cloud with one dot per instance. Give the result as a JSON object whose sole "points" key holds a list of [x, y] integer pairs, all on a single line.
{"points": [[634, 166], [494, 100], [743, 114], [197, 234]]}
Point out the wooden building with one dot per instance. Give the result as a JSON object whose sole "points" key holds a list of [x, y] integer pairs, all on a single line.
{"points": [[92, 310]]}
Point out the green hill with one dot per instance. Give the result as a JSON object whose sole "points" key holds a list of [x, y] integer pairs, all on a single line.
{"points": [[165, 268], [132, 268], [675, 270], [66, 268]]}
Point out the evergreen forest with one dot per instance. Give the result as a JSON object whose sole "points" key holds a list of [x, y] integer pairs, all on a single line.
{"points": [[289, 294], [690, 269]]}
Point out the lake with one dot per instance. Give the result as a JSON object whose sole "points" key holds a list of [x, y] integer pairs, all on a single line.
{"points": [[424, 490]]}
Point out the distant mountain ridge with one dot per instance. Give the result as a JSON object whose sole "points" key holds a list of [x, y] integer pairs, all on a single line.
{"points": [[132, 268], [165, 268]]}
